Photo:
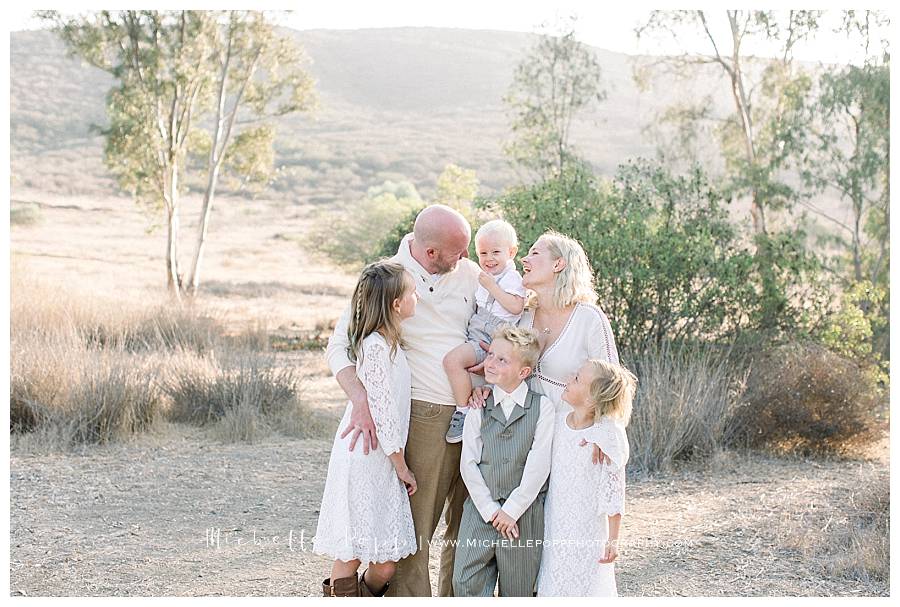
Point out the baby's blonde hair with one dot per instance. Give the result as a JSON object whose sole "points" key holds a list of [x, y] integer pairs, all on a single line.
{"points": [[501, 228], [524, 342], [612, 390]]}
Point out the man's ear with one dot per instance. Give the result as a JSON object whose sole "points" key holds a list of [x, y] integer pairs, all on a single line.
{"points": [[431, 252]]}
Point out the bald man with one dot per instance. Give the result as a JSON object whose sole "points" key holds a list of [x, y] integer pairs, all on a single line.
{"points": [[436, 254]]}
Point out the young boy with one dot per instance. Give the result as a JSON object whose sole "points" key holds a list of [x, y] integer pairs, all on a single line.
{"points": [[505, 464], [500, 299]]}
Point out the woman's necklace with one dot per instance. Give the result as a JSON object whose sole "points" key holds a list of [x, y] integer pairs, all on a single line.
{"points": [[545, 330]]}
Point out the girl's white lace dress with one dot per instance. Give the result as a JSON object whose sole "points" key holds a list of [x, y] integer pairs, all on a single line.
{"points": [[365, 510], [580, 497]]}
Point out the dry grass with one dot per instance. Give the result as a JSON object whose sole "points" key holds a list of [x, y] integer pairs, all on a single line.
{"points": [[87, 369], [853, 540], [684, 401], [246, 394]]}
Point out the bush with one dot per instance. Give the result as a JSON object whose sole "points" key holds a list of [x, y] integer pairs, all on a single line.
{"points": [[24, 214], [214, 388], [685, 397], [78, 395], [805, 399], [88, 370], [669, 264], [353, 235]]}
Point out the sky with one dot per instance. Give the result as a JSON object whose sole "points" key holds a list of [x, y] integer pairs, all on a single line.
{"points": [[598, 24]]}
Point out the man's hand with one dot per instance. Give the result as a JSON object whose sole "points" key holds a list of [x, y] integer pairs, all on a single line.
{"points": [[598, 455], [361, 424], [505, 525], [479, 397]]}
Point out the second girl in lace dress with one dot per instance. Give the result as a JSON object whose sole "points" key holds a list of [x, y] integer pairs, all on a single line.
{"points": [[584, 505]]}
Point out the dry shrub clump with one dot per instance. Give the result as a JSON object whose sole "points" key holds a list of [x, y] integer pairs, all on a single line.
{"points": [[804, 399], [86, 369], [73, 395], [685, 398], [245, 394]]}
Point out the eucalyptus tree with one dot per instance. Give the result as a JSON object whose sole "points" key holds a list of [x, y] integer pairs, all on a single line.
{"points": [[188, 83], [559, 78], [765, 131]]}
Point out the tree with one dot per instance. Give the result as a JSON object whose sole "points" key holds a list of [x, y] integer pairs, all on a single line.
{"points": [[174, 69], [851, 156], [761, 137], [559, 78], [457, 188]]}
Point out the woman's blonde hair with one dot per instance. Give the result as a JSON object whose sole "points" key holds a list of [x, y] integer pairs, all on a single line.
{"points": [[612, 390], [575, 282], [372, 305]]}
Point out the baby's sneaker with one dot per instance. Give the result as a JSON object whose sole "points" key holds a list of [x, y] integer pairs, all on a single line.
{"points": [[454, 434]]}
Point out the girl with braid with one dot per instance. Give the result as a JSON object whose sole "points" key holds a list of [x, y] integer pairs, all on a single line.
{"points": [[365, 515]]}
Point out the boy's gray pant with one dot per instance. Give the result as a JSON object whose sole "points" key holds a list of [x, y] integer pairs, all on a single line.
{"points": [[484, 558]]}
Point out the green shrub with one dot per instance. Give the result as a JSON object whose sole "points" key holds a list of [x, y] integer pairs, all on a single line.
{"points": [[668, 262], [354, 234], [24, 214]]}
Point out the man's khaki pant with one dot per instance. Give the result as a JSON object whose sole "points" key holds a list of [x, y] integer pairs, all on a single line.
{"points": [[435, 464]]}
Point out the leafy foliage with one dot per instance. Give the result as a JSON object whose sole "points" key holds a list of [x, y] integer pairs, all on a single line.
{"points": [[669, 264]]}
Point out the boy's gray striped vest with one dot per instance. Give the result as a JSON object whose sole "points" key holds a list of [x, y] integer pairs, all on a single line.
{"points": [[505, 447]]}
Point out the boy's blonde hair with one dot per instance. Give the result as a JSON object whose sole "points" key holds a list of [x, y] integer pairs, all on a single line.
{"points": [[612, 390], [524, 342], [501, 228], [372, 305]]}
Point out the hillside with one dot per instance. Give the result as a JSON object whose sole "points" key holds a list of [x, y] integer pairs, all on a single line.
{"points": [[396, 103]]}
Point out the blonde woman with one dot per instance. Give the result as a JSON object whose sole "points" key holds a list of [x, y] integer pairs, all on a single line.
{"points": [[365, 515], [564, 313]]}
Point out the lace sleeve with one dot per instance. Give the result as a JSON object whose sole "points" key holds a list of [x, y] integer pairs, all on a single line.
{"points": [[611, 499], [376, 377]]}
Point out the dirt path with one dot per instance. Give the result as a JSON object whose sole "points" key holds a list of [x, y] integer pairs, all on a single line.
{"points": [[141, 519]]}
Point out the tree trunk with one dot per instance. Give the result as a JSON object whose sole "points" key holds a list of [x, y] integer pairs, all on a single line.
{"points": [[208, 197], [173, 277]]}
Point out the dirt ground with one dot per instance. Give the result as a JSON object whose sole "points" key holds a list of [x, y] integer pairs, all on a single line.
{"points": [[175, 513]]}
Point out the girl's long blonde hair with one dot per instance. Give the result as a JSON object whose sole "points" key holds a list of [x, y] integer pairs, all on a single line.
{"points": [[372, 305], [612, 390], [575, 282]]}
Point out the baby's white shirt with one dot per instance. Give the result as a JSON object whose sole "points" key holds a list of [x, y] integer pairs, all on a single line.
{"points": [[510, 282]]}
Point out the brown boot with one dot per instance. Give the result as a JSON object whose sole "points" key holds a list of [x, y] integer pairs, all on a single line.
{"points": [[344, 586], [364, 589]]}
